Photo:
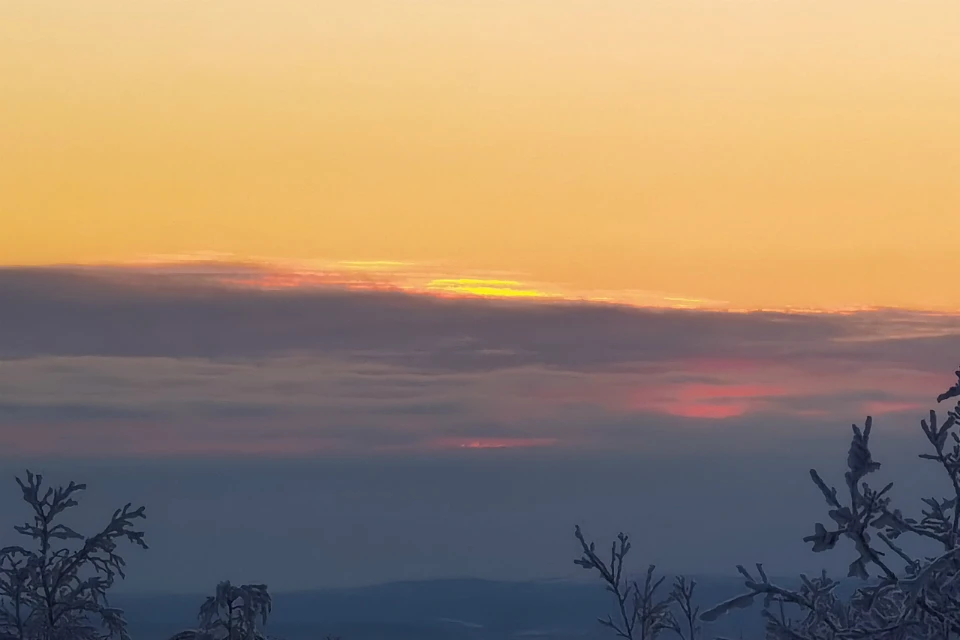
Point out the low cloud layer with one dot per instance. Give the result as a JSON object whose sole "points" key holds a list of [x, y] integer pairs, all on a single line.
{"points": [[177, 361]]}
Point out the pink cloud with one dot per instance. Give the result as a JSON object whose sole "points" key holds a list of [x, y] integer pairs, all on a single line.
{"points": [[708, 411], [709, 401], [492, 443]]}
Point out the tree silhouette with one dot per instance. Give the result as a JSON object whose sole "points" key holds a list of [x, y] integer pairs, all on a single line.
{"points": [[641, 614], [903, 596], [54, 586], [232, 613]]}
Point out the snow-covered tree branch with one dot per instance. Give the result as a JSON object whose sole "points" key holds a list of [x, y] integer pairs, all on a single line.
{"points": [[54, 586], [903, 596]]}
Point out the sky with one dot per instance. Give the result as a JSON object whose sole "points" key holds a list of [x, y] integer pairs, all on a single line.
{"points": [[403, 290], [765, 154]]}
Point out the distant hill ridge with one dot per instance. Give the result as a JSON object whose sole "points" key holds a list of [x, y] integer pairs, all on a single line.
{"points": [[465, 609]]}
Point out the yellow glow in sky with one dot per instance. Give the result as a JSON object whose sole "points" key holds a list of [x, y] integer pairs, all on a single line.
{"points": [[791, 152], [484, 288]]}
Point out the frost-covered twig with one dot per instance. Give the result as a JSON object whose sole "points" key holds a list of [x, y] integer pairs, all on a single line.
{"points": [[640, 614]]}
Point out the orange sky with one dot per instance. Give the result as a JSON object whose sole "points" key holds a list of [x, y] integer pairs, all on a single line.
{"points": [[796, 152]]}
